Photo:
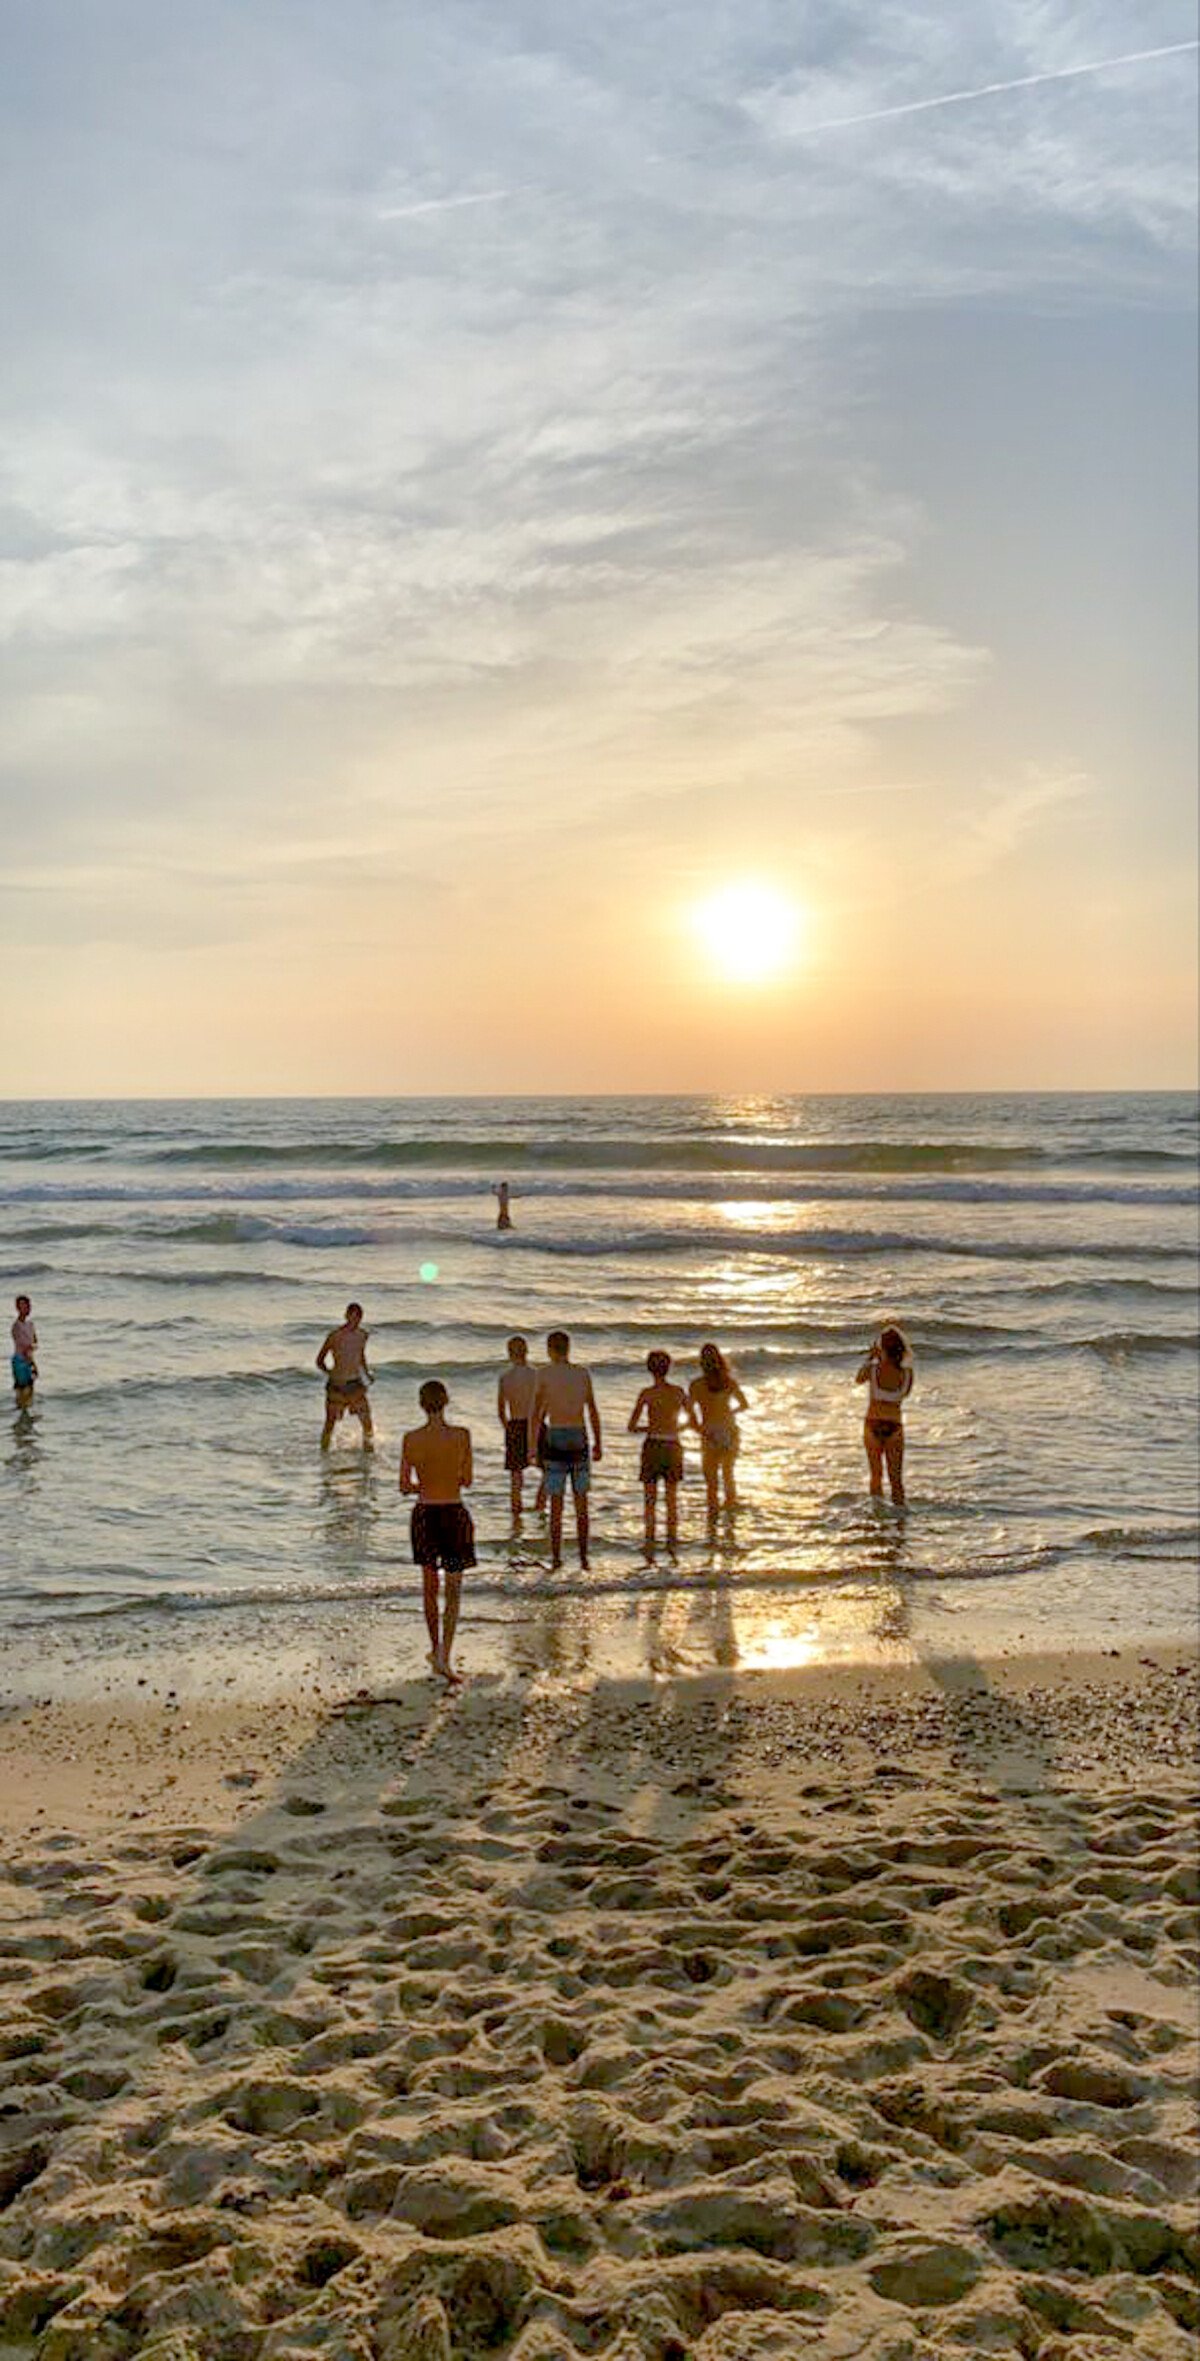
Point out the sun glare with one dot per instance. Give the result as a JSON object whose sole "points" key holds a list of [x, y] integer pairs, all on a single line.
{"points": [[751, 930]]}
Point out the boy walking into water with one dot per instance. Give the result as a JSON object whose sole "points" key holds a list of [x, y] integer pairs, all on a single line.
{"points": [[436, 1464], [514, 1404], [563, 1397], [24, 1346], [343, 1359], [660, 1410]]}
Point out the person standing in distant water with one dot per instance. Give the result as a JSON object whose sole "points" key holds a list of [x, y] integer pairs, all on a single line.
{"points": [[666, 1408], [887, 1373], [343, 1359], [716, 1397], [435, 1463], [514, 1404], [501, 1193], [563, 1397], [24, 1344]]}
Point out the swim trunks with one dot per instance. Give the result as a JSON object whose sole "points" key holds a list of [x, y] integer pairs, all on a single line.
{"points": [[23, 1372], [884, 1428], [662, 1460], [516, 1445], [346, 1393], [443, 1535], [566, 1455]]}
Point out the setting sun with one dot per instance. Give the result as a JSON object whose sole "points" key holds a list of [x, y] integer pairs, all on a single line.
{"points": [[750, 929]]}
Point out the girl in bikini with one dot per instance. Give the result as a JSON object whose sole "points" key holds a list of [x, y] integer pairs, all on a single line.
{"points": [[716, 1397], [887, 1373]]}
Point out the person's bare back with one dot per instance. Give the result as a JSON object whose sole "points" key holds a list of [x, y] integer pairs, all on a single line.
{"points": [[563, 1393], [436, 1463], [518, 1385], [346, 1348]]}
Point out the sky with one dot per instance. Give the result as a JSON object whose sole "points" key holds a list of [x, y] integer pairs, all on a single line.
{"points": [[476, 480]]}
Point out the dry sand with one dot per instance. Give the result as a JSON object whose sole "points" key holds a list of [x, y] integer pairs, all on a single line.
{"points": [[741, 2018]]}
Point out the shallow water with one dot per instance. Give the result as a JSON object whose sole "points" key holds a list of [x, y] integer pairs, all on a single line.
{"points": [[185, 1260]]}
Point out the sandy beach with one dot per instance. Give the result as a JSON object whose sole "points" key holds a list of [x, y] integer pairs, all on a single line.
{"points": [[849, 2013]]}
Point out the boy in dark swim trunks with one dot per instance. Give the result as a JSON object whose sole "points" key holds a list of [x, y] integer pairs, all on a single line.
{"points": [[666, 1408], [514, 1402], [343, 1360], [435, 1463]]}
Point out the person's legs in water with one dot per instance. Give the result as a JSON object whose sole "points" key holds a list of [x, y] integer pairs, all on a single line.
{"points": [[893, 1451], [671, 1488], [367, 1424], [650, 1496], [429, 1580], [726, 1460], [582, 1519], [874, 1459], [710, 1460], [450, 1606]]}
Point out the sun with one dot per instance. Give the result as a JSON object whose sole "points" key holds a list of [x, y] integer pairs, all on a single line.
{"points": [[750, 930]]}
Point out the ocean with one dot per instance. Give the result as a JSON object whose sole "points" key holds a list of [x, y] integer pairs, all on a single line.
{"points": [[185, 1259]]}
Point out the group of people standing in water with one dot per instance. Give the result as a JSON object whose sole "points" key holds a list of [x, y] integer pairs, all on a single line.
{"points": [[552, 1429]]}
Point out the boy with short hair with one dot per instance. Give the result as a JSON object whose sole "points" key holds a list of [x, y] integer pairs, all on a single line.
{"points": [[24, 1344], [514, 1402], [435, 1463], [564, 1398], [343, 1360], [666, 1408]]}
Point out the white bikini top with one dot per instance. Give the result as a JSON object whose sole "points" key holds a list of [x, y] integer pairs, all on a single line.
{"points": [[883, 1393]]}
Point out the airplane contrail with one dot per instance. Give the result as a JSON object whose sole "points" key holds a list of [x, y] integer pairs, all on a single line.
{"points": [[958, 98], [441, 204]]}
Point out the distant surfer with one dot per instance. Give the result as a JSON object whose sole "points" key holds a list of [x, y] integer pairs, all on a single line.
{"points": [[887, 1372], [343, 1361], [24, 1347], [504, 1219]]}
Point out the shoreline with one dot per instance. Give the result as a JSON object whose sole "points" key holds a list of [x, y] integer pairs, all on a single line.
{"points": [[1033, 1714]]}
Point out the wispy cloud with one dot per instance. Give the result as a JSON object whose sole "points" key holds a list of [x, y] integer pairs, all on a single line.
{"points": [[802, 129], [424, 205]]}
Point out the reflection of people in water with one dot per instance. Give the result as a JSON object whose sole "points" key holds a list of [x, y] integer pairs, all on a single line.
{"points": [[24, 1346], [343, 1359], [716, 1397], [659, 1411], [887, 1373], [501, 1193]]}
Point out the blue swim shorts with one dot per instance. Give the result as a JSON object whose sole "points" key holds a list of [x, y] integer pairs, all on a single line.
{"points": [[23, 1372], [567, 1455]]}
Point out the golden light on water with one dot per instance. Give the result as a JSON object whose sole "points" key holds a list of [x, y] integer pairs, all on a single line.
{"points": [[751, 930]]}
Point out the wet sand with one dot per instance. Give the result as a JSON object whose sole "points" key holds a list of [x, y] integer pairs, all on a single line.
{"points": [[849, 2012]]}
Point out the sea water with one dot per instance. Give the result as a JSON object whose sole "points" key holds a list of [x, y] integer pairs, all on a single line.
{"points": [[185, 1259]]}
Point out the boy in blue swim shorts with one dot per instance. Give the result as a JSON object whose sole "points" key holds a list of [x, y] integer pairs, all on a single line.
{"points": [[566, 1402], [24, 1344]]}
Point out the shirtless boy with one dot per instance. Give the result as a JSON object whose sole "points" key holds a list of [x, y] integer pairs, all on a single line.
{"points": [[659, 1411], [514, 1404], [24, 1344], [563, 1397], [435, 1464], [343, 1359]]}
